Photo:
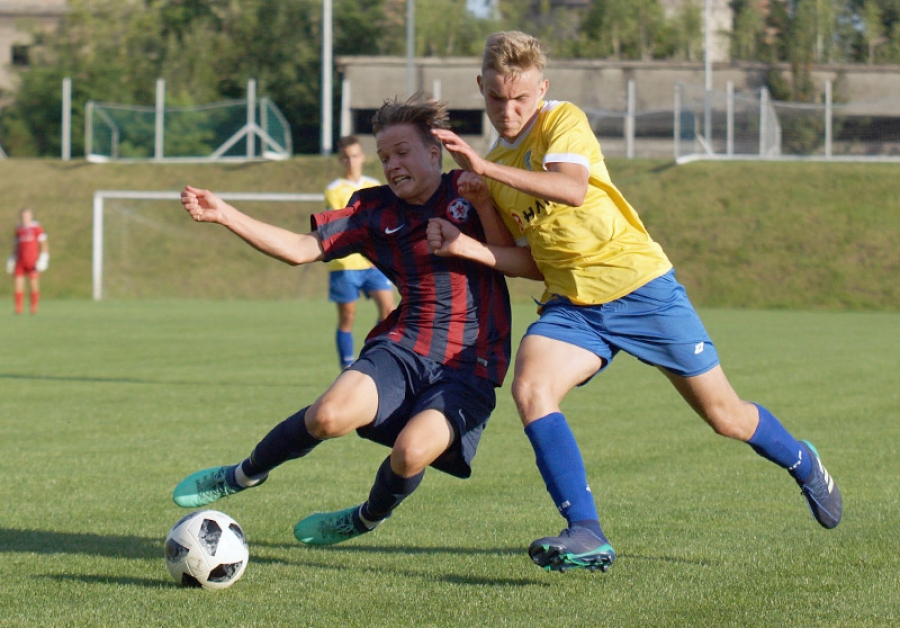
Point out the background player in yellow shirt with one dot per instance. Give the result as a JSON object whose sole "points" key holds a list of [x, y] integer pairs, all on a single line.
{"points": [[609, 288], [354, 274]]}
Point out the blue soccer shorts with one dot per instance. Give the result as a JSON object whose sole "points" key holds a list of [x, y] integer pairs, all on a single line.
{"points": [[656, 323], [345, 286], [409, 383]]}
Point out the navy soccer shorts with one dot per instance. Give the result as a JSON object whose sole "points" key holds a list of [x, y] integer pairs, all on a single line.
{"points": [[409, 383]]}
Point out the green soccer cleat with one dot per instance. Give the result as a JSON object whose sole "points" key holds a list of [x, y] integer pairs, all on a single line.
{"points": [[329, 528], [574, 548], [207, 486]]}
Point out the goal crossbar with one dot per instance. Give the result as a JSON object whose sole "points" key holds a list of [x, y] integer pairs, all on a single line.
{"points": [[100, 197]]}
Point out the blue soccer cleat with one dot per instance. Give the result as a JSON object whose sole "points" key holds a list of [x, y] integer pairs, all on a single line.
{"points": [[207, 486], [574, 548], [821, 492]]}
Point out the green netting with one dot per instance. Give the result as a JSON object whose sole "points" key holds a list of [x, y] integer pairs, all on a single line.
{"points": [[220, 131]]}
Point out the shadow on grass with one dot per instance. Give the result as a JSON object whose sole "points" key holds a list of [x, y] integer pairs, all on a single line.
{"points": [[113, 546], [135, 380], [45, 542], [147, 583]]}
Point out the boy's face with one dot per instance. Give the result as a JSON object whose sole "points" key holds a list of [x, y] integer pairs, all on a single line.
{"points": [[411, 168], [352, 159], [511, 101]]}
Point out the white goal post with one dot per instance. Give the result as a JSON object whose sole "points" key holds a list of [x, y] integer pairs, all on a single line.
{"points": [[100, 197]]}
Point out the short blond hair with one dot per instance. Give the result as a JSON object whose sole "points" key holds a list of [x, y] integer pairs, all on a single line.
{"points": [[513, 52]]}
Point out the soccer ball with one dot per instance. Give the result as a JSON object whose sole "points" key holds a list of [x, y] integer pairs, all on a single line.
{"points": [[206, 549]]}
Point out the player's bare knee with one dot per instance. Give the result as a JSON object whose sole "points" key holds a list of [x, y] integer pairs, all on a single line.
{"points": [[529, 394], [327, 420], [409, 458]]}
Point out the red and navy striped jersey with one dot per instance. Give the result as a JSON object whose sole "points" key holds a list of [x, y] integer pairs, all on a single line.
{"points": [[451, 310]]}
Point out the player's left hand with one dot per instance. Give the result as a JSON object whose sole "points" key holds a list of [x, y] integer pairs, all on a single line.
{"points": [[43, 262], [473, 188]]}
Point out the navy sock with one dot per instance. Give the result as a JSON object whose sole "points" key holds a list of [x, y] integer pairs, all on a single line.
{"points": [[288, 440], [562, 467], [344, 341], [773, 442], [388, 491]]}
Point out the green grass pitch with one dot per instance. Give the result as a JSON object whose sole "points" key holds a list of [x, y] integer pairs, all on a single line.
{"points": [[105, 406]]}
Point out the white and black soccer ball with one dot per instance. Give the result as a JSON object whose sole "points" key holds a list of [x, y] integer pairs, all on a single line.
{"points": [[206, 549]]}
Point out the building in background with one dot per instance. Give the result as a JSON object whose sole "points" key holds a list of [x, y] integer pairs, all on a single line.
{"points": [[18, 19]]}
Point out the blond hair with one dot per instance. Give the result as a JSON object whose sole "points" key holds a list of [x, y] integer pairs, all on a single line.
{"points": [[513, 52]]}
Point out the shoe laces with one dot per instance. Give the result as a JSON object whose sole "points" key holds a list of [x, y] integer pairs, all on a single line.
{"points": [[341, 526], [216, 483]]}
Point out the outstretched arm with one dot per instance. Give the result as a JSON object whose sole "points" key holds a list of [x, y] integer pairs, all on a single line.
{"points": [[291, 248], [446, 240], [561, 182]]}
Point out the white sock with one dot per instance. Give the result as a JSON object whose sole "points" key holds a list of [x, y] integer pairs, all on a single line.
{"points": [[246, 481], [371, 525]]}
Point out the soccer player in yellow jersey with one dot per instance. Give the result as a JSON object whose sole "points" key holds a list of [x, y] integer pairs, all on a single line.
{"points": [[354, 274], [609, 288]]}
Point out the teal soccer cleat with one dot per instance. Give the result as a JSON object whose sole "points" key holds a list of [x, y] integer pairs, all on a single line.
{"points": [[329, 528], [574, 548], [207, 486], [821, 492]]}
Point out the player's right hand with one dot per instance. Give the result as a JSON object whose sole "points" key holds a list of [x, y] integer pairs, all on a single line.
{"points": [[10, 264], [202, 205]]}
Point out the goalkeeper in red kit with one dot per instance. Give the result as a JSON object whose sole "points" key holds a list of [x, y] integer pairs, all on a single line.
{"points": [[30, 257]]}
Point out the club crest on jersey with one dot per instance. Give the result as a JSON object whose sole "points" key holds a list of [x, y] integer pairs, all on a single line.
{"points": [[458, 210]]}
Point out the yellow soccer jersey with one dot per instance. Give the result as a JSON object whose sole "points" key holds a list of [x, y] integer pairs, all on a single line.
{"points": [[591, 254], [337, 195]]}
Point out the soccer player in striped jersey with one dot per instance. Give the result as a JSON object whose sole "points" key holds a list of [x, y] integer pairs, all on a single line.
{"points": [[424, 383], [609, 288], [354, 274]]}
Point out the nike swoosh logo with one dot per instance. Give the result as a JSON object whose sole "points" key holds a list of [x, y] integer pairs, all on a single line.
{"points": [[389, 230]]}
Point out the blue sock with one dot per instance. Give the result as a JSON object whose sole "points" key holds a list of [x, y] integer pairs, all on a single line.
{"points": [[344, 340], [562, 467], [773, 442]]}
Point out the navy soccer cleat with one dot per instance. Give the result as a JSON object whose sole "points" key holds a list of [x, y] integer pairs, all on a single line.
{"points": [[574, 548], [821, 492]]}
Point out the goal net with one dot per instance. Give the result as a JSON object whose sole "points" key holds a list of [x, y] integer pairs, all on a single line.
{"points": [[146, 246], [231, 130]]}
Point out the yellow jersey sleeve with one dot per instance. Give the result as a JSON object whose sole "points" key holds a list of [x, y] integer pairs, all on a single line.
{"points": [[591, 254], [337, 195]]}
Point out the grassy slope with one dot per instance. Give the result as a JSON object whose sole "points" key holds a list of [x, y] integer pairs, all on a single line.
{"points": [[765, 235]]}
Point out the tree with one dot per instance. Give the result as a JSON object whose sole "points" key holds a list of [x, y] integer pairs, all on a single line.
{"points": [[872, 28], [748, 34]]}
